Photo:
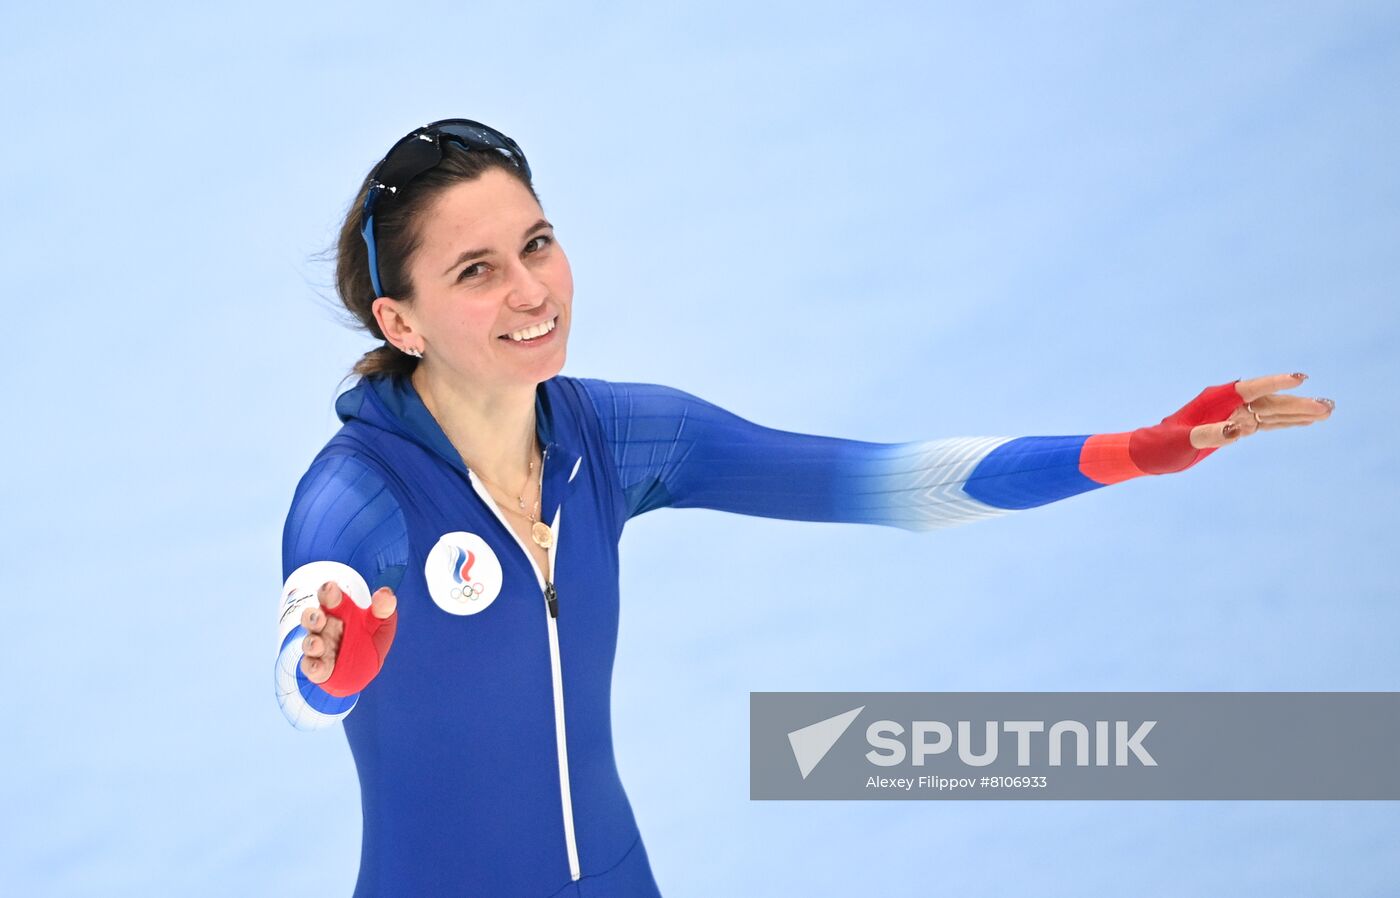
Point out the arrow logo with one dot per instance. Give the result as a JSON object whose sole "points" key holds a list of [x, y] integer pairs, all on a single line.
{"points": [[811, 743]]}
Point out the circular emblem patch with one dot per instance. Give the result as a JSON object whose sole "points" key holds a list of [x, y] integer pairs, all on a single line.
{"points": [[463, 574]]}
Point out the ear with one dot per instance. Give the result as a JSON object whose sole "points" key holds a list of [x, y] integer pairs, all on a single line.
{"points": [[395, 321]]}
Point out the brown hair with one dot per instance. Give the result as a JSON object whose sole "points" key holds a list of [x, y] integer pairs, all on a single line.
{"points": [[396, 239]]}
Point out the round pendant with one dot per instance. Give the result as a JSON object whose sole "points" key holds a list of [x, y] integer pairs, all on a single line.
{"points": [[543, 536]]}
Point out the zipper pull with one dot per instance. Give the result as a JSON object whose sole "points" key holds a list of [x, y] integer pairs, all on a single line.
{"points": [[551, 597]]}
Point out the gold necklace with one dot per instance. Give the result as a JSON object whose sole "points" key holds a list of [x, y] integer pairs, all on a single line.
{"points": [[539, 530]]}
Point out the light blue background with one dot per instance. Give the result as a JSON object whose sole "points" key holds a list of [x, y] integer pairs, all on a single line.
{"points": [[883, 222]]}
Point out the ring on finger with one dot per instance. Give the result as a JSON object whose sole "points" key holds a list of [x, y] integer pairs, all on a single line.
{"points": [[1250, 406]]}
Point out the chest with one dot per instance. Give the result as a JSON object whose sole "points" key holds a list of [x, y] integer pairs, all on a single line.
{"points": [[510, 512], [493, 546], [538, 554]]}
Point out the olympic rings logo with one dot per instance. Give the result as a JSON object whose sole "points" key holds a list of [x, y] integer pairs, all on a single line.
{"points": [[468, 592]]}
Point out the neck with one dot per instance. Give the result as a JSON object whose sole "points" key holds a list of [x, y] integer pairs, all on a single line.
{"points": [[493, 430]]}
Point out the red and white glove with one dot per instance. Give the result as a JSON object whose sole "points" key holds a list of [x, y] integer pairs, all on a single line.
{"points": [[364, 641]]}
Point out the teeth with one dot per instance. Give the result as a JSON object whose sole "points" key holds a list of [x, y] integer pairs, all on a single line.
{"points": [[530, 333]]}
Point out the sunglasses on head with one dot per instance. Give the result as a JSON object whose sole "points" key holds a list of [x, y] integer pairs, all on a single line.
{"points": [[421, 151]]}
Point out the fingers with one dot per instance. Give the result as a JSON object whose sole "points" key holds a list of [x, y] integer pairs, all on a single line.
{"points": [[317, 670], [319, 652], [1239, 425], [312, 619], [1315, 410], [322, 641], [1213, 436], [330, 594], [1289, 419], [1274, 412], [1277, 423], [323, 646], [1265, 413], [383, 602], [1302, 406], [1255, 387]]}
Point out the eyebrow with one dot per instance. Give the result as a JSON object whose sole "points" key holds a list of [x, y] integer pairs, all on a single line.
{"points": [[471, 254]]}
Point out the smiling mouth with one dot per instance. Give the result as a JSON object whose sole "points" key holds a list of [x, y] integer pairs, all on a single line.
{"points": [[532, 333]]}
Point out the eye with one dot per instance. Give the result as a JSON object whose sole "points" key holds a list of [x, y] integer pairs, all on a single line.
{"points": [[467, 272], [546, 241]]}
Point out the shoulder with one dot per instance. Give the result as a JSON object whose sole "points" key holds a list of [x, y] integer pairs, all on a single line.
{"points": [[613, 399], [343, 510], [339, 476], [587, 390]]}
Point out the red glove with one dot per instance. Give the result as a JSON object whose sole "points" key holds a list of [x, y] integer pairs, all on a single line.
{"points": [[363, 646], [1162, 448], [1166, 447]]}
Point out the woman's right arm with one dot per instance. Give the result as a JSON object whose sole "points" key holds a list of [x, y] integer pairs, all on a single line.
{"points": [[341, 512]]}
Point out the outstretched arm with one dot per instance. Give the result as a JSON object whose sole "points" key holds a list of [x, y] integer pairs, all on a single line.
{"points": [[342, 515], [674, 449]]}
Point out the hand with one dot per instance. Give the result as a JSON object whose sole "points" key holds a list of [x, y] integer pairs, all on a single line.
{"points": [[1263, 410], [341, 631], [1219, 415]]}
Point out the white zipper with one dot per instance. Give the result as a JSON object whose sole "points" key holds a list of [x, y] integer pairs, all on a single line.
{"points": [[556, 674]]}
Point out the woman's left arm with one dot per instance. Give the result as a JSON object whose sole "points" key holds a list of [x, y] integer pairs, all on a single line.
{"points": [[673, 449]]}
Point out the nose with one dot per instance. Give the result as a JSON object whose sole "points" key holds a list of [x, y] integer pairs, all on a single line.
{"points": [[526, 291]]}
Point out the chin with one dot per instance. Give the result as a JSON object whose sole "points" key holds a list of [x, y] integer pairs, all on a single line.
{"points": [[555, 367], [544, 369]]}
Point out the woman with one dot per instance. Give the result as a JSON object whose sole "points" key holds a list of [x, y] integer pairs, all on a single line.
{"points": [[483, 739]]}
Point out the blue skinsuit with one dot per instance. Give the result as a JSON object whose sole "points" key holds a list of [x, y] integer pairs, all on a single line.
{"points": [[473, 781]]}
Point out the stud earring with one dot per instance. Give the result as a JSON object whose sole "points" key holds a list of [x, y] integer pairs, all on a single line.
{"points": [[416, 353]]}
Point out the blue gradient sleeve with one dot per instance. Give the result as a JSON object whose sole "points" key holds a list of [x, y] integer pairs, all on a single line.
{"points": [[672, 449], [341, 511]]}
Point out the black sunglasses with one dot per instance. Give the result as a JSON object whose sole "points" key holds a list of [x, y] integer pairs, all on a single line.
{"points": [[418, 152]]}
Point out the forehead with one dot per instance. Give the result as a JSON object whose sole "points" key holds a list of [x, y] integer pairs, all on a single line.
{"points": [[494, 207]]}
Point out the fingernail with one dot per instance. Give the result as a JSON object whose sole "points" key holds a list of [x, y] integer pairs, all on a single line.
{"points": [[1300, 375], [1327, 402], [1229, 430], [315, 617]]}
